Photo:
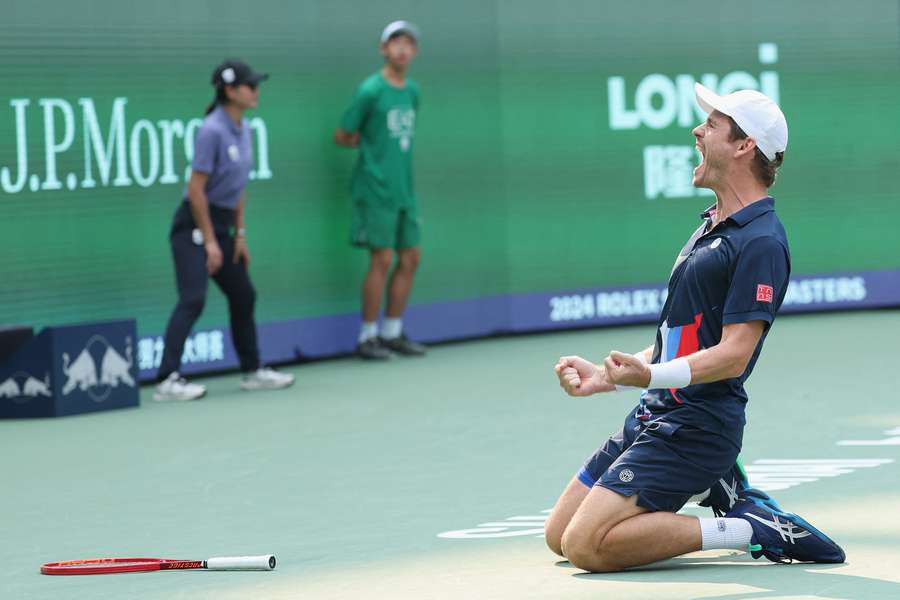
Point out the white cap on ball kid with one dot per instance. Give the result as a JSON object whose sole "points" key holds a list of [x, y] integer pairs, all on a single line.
{"points": [[754, 112], [398, 27]]}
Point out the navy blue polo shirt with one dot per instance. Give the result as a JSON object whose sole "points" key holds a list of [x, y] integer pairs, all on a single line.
{"points": [[224, 151], [735, 272]]}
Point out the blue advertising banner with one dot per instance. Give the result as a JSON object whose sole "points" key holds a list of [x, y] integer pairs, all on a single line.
{"points": [[320, 337]]}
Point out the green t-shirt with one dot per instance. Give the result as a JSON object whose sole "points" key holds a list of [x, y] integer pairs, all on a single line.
{"points": [[385, 117]]}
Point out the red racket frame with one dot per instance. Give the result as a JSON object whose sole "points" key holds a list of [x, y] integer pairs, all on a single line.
{"points": [[98, 566]]}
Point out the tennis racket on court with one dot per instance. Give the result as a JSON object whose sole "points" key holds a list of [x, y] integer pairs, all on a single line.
{"points": [[99, 566]]}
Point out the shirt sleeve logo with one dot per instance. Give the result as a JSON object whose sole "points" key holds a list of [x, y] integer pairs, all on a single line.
{"points": [[764, 293]]}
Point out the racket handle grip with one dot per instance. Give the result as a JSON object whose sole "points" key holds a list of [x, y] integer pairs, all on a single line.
{"points": [[266, 562]]}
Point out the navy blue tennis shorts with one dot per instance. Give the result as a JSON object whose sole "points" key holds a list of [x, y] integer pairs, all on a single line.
{"points": [[663, 463]]}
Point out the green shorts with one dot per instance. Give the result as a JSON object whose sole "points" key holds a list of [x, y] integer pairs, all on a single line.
{"points": [[377, 227]]}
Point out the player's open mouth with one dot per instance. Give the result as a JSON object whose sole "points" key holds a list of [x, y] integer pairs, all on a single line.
{"points": [[699, 167]]}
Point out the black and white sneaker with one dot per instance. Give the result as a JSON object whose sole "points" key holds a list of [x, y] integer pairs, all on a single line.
{"points": [[372, 349], [403, 345], [784, 537]]}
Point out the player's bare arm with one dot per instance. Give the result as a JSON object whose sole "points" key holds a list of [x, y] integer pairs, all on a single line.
{"points": [[729, 358], [645, 355]]}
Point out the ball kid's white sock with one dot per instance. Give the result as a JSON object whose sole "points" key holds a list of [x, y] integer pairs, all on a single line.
{"points": [[391, 328], [368, 331]]}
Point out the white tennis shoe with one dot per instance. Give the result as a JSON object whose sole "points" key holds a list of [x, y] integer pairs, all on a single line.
{"points": [[176, 388], [265, 378]]}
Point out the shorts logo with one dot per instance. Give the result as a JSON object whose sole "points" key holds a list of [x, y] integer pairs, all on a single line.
{"points": [[764, 293], [626, 475]]}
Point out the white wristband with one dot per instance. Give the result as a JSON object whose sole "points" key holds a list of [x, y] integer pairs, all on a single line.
{"points": [[673, 374], [628, 388]]}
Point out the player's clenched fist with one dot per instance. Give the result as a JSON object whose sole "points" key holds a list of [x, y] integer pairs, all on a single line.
{"points": [[626, 369], [579, 377]]}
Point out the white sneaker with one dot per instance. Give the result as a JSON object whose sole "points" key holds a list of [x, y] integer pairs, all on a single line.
{"points": [[175, 387], [265, 378]]}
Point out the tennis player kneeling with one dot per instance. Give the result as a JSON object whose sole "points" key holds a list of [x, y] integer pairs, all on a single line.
{"points": [[682, 440]]}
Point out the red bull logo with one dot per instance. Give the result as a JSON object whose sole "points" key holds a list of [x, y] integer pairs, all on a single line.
{"points": [[82, 373], [21, 386]]}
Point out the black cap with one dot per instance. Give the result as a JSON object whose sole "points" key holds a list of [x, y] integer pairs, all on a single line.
{"points": [[236, 72]]}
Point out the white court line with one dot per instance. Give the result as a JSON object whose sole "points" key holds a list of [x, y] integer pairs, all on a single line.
{"points": [[894, 441], [770, 474], [767, 474]]}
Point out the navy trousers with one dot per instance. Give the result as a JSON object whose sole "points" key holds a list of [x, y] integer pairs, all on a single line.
{"points": [[192, 279]]}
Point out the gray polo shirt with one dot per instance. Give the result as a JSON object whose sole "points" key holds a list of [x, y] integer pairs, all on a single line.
{"points": [[223, 151]]}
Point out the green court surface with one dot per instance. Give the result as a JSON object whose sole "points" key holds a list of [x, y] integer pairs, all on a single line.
{"points": [[428, 478]]}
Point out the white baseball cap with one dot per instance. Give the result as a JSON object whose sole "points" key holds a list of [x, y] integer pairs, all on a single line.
{"points": [[400, 27], [754, 112]]}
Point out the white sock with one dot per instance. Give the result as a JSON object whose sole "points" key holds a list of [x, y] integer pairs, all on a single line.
{"points": [[725, 534], [391, 328], [368, 331]]}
